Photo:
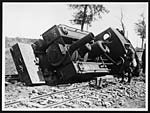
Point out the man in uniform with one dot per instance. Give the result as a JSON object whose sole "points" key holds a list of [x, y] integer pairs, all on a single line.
{"points": [[127, 66]]}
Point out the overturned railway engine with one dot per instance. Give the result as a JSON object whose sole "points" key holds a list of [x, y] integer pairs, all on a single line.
{"points": [[67, 54]]}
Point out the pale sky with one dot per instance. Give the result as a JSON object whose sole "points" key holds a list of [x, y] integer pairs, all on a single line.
{"points": [[30, 20]]}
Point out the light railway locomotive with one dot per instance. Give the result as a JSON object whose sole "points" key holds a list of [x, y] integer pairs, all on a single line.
{"points": [[67, 54]]}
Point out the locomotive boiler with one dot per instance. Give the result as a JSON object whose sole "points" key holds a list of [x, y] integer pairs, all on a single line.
{"points": [[67, 54]]}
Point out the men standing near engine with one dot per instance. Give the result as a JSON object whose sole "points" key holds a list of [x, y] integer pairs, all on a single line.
{"points": [[127, 66], [143, 60]]}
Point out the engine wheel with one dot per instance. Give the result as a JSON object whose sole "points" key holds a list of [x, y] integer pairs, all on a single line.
{"points": [[55, 56]]}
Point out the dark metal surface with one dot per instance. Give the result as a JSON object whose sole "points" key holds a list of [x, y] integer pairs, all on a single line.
{"points": [[66, 53]]}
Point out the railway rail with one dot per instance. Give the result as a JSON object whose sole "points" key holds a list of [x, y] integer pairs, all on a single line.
{"points": [[51, 99], [11, 77]]}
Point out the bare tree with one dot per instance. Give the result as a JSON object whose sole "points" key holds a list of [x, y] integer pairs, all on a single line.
{"points": [[86, 13], [84, 17], [122, 23], [140, 28]]}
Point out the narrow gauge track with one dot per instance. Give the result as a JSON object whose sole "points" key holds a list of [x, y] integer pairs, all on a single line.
{"points": [[68, 100], [11, 77], [7, 104]]}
